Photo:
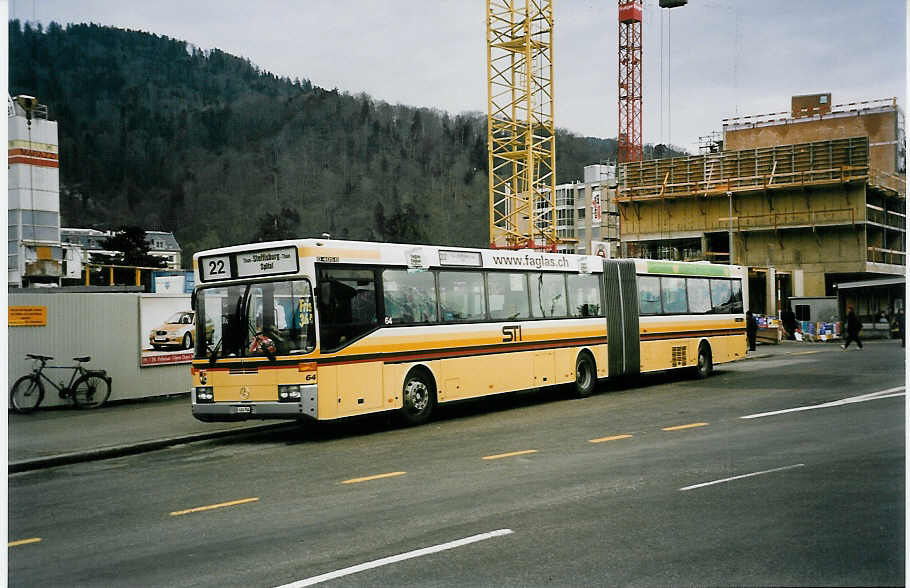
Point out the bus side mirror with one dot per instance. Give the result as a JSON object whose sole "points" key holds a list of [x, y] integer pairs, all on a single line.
{"points": [[193, 300]]}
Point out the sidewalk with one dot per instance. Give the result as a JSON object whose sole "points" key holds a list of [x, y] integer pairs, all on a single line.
{"points": [[52, 437], [57, 436]]}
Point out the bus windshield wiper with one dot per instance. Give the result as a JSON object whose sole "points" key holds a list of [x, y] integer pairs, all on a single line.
{"points": [[214, 354]]}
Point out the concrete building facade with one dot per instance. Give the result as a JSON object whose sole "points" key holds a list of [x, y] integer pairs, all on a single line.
{"points": [[587, 221]]}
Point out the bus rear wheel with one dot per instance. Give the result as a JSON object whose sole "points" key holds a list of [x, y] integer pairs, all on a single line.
{"points": [[418, 398], [705, 364], [585, 376]]}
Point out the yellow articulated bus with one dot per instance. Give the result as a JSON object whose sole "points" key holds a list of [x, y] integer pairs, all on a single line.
{"points": [[324, 329]]}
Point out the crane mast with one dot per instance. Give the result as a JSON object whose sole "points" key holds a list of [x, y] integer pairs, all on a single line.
{"points": [[520, 132], [629, 129]]}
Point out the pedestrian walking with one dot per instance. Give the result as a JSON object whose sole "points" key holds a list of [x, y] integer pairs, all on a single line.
{"points": [[751, 329], [788, 319], [901, 326], [853, 328]]}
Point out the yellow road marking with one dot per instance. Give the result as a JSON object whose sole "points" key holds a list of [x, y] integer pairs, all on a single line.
{"points": [[512, 454], [23, 542], [177, 513], [806, 352], [376, 477], [689, 426], [613, 438]]}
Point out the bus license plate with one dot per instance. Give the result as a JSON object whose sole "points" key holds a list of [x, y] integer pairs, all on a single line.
{"points": [[243, 409]]}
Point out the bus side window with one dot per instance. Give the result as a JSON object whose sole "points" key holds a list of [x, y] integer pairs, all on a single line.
{"points": [[508, 295], [548, 295], [648, 295], [699, 295], [722, 296], [584, 295], [737, 296], [461, 296], [673, 295], [409, 297]]}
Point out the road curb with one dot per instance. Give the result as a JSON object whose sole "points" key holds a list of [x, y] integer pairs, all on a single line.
{"points": [[134, 448]]}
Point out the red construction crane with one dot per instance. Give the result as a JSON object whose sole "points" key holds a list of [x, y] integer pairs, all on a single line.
{"points": [[629, 129]]}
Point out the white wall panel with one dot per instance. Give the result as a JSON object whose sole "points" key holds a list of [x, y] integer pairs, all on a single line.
{"points": [[42, 179], [103, 325], [34, 199]]}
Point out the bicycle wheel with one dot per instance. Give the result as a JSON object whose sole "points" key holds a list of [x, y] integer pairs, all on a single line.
{"points": [[91, 391], [27, 394]]}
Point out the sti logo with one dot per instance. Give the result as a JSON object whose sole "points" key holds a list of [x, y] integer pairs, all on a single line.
{"points": [[511, 333]]}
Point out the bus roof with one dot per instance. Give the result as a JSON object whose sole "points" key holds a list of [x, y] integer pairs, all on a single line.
{"points": [[283, 258], [688, 268]]}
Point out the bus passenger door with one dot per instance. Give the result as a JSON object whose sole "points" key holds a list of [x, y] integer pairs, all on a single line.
{"points": [[623, 342]]}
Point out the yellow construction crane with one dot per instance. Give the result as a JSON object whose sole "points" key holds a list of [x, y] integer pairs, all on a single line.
{"points": [[520, 133]]}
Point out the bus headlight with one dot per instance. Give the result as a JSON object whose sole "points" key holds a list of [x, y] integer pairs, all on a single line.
{"points": [[289, 393], [205, 394]]}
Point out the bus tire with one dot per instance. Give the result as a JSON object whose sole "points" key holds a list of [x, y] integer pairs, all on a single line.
{"points": [[705, 365], [418, 398], [585, 375]]}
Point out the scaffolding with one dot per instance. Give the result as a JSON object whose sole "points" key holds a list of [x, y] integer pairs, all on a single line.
{"points": [[520, 130], [713, 142], [819, 163]]}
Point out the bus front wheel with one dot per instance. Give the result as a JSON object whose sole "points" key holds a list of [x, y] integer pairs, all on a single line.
{"points": [[418, 398]]}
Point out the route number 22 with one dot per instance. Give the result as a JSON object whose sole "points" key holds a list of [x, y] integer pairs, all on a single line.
{"points": [[216, 267]]}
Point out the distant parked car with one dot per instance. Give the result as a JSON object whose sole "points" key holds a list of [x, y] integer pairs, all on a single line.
{"points": [[178, 331]]}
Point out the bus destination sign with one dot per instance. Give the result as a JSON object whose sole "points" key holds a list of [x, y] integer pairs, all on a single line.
{"points": [[267, 262]]}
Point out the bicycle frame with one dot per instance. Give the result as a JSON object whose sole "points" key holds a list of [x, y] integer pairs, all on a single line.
{"points": [[63, 389]]}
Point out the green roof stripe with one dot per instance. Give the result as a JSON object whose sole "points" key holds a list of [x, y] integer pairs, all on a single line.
{"points": [[701, 269]]}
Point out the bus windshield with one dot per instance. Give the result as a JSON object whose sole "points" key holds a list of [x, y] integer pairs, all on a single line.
{"points": [[264, 319]]}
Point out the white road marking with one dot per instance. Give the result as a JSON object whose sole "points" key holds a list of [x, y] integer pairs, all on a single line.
{"points": [[889, 393], [790, 467], [397, 558]]}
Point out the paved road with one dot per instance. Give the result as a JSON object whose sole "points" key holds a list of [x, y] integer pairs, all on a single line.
{"points": [[543, 491]]}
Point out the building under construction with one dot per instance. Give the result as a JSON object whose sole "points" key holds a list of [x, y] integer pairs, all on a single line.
{"points": [[807, 199]]}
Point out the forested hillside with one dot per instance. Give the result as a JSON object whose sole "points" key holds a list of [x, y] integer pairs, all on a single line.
{"points": [[157, 133]]}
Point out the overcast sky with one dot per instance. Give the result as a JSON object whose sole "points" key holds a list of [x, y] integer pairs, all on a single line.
{"points": [[721, 58]]}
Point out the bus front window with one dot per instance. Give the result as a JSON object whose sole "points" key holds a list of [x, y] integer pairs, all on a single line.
{"points": [[280, 319], [264, 319], [221, 333]]}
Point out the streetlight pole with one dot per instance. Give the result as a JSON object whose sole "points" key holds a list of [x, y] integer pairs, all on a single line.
{"points": [[730, 230]]}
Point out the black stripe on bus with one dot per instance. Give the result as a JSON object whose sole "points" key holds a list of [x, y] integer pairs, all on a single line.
{"points": [[408, 356], [691, 334], [446, 353]]}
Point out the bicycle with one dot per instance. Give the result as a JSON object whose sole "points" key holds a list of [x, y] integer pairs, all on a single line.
{"points": [[87, 388]]}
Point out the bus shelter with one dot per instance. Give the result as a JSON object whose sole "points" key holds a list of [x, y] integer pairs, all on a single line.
{"points": [[876, 303]]}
